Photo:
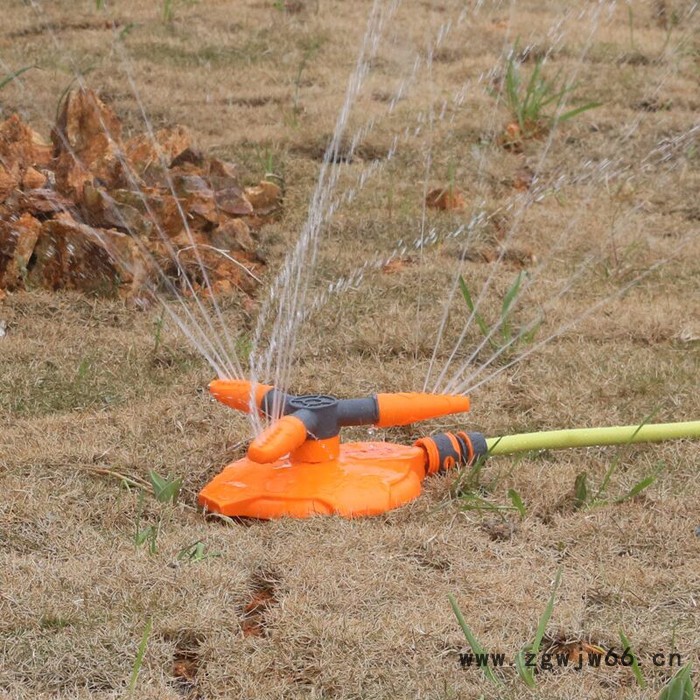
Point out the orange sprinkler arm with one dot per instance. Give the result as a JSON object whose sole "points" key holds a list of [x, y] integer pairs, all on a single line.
{"points": [[239, 393], [402, 409], [382, 410], [281, 438]]}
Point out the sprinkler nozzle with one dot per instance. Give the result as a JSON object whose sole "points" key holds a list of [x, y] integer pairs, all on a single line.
{"points": [[281, 438], [402, 409], [238, 393]]}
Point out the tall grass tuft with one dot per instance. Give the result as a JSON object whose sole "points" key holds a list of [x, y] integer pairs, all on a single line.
{"points": [[472, 640], [525, 671], [680, 687], [530, 101]]}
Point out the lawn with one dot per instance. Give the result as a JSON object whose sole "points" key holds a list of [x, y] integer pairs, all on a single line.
{"points": [[106, 591]]}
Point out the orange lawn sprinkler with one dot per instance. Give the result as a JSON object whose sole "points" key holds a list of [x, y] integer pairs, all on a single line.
{"points": [[298, 467]]}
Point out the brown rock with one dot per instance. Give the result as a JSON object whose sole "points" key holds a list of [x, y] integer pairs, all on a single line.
{"points": [[190, 156], [222, 287], [233, 235], [9, 180], [265, 198], [41, 201], [523, 178], [203, 209], [225, 169], [223, 175], [150, 157], [33, 179], [238, 274], [17, 241], [162, 211], [197, 200], [42, 152], [397, 265], [233, 201], [167, 215], [512, 138], [87, 144], [114, 206], [185, 185], [101, 210], [16, 154], [69, 255]]}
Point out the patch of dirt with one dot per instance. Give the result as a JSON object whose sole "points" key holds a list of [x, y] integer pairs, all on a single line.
{"points": [[186, 664], [445, 199], [316, 150], [263, 596], [49, 28]]}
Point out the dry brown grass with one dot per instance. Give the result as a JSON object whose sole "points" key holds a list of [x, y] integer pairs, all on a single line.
{"points": [[328, 608]]}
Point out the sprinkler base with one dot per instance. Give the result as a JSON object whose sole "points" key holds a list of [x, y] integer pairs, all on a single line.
{"points": [[367, 478]]}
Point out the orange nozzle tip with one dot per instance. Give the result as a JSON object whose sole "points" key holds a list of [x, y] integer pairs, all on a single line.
{"points": [[281, 438], [402, 409], [237, 393]]}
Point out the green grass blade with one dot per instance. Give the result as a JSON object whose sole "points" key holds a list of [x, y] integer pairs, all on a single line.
{"points": [[524, 671], [637, 488], [465, 293], [472, 501], [530, 101], [511, 295], [12, 76], [471, 639], [506, 331], [635, 664], [512, 88], [138, 662], [547, 614], [616, 461], [126, 31], [139, 512], [581, 490], [528, 333], [557, 96], [164, 490], [483, 326], [575, 112], [517, 502], [680, 687]]}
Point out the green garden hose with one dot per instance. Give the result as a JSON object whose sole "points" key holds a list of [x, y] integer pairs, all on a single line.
{"points": [[446, 450], [592, 437]]}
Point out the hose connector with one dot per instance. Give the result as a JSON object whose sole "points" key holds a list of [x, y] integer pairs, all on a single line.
{"points": [[448, 450]]}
